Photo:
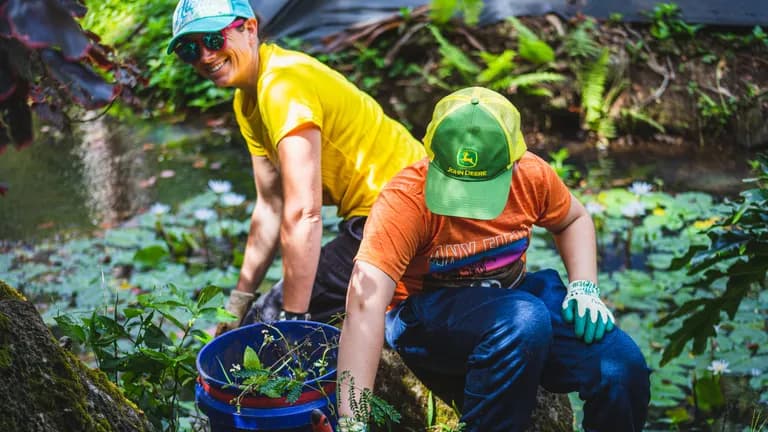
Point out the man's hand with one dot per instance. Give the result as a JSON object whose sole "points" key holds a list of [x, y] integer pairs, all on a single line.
{"points": [[238, 305], [583, 307]]}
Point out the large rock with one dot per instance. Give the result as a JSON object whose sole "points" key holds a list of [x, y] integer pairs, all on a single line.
{"points": [[396, 384], [46, 388]]}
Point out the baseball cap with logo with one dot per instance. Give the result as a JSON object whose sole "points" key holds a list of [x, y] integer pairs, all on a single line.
{"points": [[202, 16], [473, 142]]}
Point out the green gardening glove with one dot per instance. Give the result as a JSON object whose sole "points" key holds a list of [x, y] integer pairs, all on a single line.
{"points": [[582, 306]]}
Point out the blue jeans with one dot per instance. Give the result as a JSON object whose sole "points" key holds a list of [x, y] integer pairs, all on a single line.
{"points": [[488, 349]]}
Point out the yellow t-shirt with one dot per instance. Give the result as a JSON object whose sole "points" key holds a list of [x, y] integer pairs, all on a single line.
{"points": [[362, 148]]}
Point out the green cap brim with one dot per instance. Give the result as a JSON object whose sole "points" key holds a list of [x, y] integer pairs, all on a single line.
{"points": [[477, 200], [202, 25]]}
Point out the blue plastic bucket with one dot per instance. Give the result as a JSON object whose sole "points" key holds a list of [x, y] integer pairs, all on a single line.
{"points": [[215, 397]]}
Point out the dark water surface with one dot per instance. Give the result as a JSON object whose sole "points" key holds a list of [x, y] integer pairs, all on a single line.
{"points": [[106, 171]]}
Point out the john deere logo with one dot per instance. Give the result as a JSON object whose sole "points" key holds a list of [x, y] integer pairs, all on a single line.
{"points": [[466, 158]]}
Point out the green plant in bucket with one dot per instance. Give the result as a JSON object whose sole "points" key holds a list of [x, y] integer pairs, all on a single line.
{"points": [[294, 366]]}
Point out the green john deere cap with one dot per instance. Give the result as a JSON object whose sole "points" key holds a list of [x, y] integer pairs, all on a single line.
{"points": [[203, 16], [473, 142]]}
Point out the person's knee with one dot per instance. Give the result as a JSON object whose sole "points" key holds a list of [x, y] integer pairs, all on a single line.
{"points": [[625, 375], [521, 327]]}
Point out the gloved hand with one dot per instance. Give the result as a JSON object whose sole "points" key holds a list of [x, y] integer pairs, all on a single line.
{"points": [[348, 424], [583, 307], [238, 305]]}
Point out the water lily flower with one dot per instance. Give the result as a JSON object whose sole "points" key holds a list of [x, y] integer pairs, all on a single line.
{"points": [[719, 367], [204, 214], [633, 209], [640, 188], [755, 372], [158, 209], [220, 186], [594, 208], [232, 199]]}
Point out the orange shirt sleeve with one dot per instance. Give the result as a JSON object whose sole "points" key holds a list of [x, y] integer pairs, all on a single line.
{"points": [[554, 198], [396, 226]]}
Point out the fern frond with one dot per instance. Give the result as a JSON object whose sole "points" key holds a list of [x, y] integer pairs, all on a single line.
{"points": [[593, 87], [497, 65], [441, 11], [530, 46], [535, 78], [452, 56], [580, 43], [644, 118]]}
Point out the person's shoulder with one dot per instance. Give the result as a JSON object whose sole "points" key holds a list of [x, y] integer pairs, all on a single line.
{"points": [[411, 177]]}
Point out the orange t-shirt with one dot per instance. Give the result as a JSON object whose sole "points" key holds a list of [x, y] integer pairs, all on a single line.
{"points": [[423, 251]]}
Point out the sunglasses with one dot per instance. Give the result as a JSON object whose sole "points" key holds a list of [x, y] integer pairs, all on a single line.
{"points": [[189, 50]]}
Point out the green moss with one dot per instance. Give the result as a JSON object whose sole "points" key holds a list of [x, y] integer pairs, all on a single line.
{"points": [[8, 293], [5, 357]]}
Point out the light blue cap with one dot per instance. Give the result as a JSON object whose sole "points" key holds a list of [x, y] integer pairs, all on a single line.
{"points": [[202, 16]]}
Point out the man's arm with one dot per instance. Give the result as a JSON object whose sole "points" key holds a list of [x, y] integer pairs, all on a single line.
{"points": [[362, 336], [301, 227]]}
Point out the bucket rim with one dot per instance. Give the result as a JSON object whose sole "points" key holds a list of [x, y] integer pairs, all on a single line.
{"points": [[234, 334]]}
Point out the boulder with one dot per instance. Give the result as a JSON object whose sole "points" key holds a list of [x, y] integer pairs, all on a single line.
{"points": [[397, 385], [45, 387]]}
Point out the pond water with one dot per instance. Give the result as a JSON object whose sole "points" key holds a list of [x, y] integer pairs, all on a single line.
{"points": [[105, 171]]}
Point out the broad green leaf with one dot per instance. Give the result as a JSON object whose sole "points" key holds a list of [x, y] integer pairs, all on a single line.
{"points": [[251, 360]]}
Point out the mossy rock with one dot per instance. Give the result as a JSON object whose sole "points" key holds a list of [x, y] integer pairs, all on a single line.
{"points": [[397, 385], [46, 388]]}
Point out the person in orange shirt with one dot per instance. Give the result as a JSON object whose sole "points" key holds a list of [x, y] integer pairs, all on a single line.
{"points": [[314, 138], [441, 276]]}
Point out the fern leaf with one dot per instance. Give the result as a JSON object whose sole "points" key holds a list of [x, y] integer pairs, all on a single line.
{"points": [[530, 46], [441, 11], [644, 118], [593, 87], [497, 65], [535, 78], [452, 55]]}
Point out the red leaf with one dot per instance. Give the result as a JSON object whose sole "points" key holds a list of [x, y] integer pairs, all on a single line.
{"points": [[75, 7], [46, 23], [85, 86]]}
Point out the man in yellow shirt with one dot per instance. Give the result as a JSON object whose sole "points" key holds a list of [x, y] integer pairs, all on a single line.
{"points": [[314, 138]]}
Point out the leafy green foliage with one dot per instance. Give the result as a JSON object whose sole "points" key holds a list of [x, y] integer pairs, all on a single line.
{"points": [[149, 347], [441, 11], [282, 367], [367, 407], [736, 257], [531, 47], [143, 35], [666, 22]]}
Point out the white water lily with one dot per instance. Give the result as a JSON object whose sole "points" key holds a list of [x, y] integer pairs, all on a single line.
{"points": [[633, 209], [204, 214], [220, 186], [594, 208], [640, 188], [719, 367], [755, 372], [159, 209], [232, 199]]}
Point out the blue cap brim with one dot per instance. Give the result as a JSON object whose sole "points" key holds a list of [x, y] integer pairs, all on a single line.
{"points": [[202, 25]]}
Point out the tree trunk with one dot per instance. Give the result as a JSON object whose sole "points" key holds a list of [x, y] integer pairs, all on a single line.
{"points": [[45, 387], [396, 384]]}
